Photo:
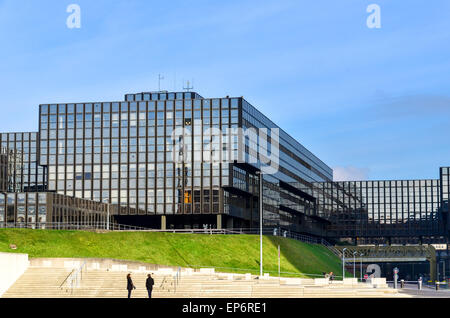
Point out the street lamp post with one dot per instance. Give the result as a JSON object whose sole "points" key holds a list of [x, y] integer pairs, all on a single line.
{"points": [[107, 215], [360, 265], [343, 263], [260, 222], [354, 266]]}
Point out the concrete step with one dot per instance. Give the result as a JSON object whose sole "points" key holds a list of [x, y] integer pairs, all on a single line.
{"points": [[38, 282]]}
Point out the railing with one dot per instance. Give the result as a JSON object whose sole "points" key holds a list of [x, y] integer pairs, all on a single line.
{"points": [[331, 247], [72, 226], [124, 227], [442, 285], [409, 251], [425, 284], [177, 278], [162, 286], [413, 282], [168, 283], [348, 260], [66, 279], [266, 231], [74, 279], [171, 281]]}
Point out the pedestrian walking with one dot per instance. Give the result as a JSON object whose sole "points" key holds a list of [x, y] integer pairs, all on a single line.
{"points": [[149, 284], [130, 285]]}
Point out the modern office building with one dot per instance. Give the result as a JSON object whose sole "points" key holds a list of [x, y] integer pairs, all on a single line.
{"points": [[122, 153], [386, 211], [178, 160]]}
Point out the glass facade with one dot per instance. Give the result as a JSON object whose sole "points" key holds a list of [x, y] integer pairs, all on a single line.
{"points": [[46, 210], [24, 172], [445, 194], [195, 161], [287, 200], [121, 152], [445, 183], [23, 208], [3, 170], [393, 210]]}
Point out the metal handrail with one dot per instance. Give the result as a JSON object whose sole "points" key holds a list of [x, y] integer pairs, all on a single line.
{"points": [[74, 277], [60, 286], [165, 282], [177, 278], [175, 281], [162, 283]]}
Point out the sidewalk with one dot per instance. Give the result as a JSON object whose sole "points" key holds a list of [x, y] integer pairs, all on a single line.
{"points": [[425, 292]]}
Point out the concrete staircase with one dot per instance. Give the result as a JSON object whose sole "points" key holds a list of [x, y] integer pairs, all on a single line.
{"points": [[39, 282], [45, 282]]}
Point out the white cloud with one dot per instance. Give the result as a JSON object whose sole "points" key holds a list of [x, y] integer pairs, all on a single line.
{"points": [[350, 173]]}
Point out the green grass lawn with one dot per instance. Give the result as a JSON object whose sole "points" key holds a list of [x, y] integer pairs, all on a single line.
{"points": [[187, 250]]}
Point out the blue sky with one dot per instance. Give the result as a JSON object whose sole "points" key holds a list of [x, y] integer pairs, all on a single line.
{"points": [[372, 103]]}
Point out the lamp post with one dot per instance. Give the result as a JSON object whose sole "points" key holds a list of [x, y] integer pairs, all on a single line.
{"points": [[354, 266], [260, 222], [107, 215], [360, 265], [343, 263]]}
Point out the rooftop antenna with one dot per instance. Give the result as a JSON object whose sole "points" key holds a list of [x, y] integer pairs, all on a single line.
{"points": [[187, 88], [159, 81]]}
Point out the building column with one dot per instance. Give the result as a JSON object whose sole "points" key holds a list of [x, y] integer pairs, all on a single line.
{"points": [[163, 222], [433, 273], [219, 221]]}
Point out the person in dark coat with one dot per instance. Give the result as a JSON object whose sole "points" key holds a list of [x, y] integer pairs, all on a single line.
{"points": [[149, 284], [130, 285]]}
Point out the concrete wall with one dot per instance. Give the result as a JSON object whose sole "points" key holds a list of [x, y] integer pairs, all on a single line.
{"points": [[350, 281], [100, 264], [12, 266]]}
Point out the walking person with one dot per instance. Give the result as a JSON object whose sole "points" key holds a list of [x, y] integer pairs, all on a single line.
{"points": [[149, 284], [130, 285]]}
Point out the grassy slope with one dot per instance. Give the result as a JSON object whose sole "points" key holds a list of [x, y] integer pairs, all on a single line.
{"points": [[227, 251]]}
